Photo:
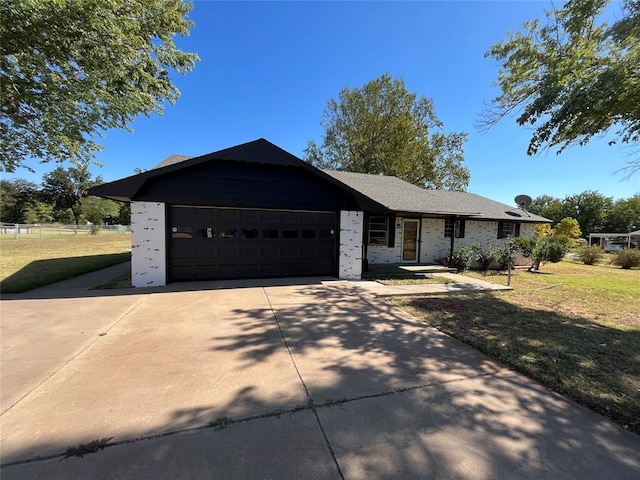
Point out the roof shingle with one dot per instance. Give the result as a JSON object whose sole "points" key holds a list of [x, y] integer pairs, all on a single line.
{"points": [[401, 196]]}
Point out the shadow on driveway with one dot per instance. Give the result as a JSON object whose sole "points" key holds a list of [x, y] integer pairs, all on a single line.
{"points": [[384, 397]]}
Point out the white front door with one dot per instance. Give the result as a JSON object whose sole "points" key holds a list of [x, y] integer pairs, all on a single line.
{"points": [[410, 232]]}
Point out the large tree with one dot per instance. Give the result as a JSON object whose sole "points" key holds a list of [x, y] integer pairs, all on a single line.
{"points": [[548, 207], [624, 215], [590, 209], [66, 189], [382, 128], [572, 77], [100, 210], [72, 69], [16, 197]]}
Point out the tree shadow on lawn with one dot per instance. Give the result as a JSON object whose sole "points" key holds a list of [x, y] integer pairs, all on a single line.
{"points": [[45, 272], [395, 398], [596, 365]]}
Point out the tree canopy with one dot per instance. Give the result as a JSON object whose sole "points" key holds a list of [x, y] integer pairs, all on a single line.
{"points": [[382, 128], [70, 70], [66, 189], [594, 212], [572, 77]]}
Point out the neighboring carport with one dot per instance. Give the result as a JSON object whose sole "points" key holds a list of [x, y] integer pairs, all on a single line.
{"points": [[628, 238]]}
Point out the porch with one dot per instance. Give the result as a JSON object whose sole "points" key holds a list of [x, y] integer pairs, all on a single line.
{"points": [[402, 270]]}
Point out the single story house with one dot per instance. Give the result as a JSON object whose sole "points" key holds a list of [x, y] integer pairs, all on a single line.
{"points": [[255, 210]]}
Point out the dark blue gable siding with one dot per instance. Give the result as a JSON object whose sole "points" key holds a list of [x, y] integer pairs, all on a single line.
{"points": [[247, 185]]}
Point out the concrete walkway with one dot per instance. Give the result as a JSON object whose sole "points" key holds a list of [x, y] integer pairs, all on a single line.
{"points": [[84, 285], [314, 380], [460, 285]]}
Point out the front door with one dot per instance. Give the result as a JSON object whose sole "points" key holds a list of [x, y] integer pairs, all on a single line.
{"points": [[410, 240]]}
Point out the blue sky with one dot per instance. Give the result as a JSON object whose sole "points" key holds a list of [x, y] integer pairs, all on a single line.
{"points": [[267, 69]]}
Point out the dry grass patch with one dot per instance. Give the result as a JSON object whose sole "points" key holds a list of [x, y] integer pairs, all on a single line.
{"points": [[29, 263], [427, 279], [575, 328]]}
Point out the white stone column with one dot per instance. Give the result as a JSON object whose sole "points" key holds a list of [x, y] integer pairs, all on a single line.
{"points": [[351, 238], [148, 244]]}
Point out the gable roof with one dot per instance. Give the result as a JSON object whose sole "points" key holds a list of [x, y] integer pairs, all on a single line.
{"points": [[373, 192], [258, 151], [401, 196], [172, 159]]}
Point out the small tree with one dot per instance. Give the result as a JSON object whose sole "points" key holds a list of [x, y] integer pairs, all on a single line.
{"points": [[543, 230], [506, 256], [568, 229], [548, 249], [541, 249]]}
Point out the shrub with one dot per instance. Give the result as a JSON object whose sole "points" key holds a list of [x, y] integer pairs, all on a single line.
{"points": [[464, 256], [95, 229], [590, 255], [487, 257], [548, 249], [523, 245], [627, 258]]}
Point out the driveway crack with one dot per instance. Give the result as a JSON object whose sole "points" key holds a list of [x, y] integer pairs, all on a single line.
{"points": [[306, 389]]}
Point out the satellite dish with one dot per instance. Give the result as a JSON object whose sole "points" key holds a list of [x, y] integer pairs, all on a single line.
{"points": [[523, 201]]}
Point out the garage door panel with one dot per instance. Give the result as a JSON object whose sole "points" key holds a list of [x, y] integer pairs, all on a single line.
{"points": [[209, 243], [270, 269], [308, 250], [289, 251], [206, 254], [290, 268], [250, 252], [270, 251]]}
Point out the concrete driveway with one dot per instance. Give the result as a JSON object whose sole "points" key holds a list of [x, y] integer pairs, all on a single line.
{"points": [[317, 380]]}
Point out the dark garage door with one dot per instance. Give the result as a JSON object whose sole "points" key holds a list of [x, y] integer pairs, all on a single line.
{"points": [[209, 243]]}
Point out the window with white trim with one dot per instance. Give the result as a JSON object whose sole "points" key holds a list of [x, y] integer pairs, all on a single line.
{"points": [[451, 225], [378, 231], [508, 229]]}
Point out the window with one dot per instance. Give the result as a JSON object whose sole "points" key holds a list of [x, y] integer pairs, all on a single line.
{"points": [[451, 225], [208, 232], [289, 234], [270, 233], [249, 233], [508, 229], [308, 234], [378, 230], [181, 232], [229, 233]]}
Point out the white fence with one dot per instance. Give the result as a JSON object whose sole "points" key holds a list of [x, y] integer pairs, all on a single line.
{"points": [[40, 230]]}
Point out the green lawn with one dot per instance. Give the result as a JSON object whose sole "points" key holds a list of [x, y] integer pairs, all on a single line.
{"points": [[573, 327], [31, 262]]}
